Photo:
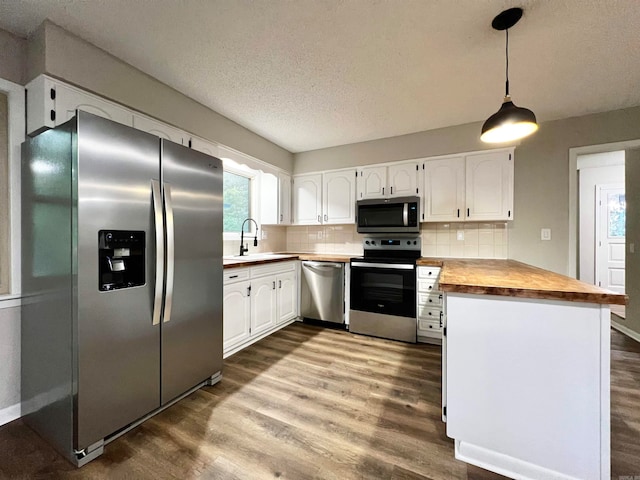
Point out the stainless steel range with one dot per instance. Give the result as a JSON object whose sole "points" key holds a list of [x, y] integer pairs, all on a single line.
{"points": [[383, 288]]}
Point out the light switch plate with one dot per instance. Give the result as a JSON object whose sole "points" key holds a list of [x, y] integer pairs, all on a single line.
{"points": [[460, 235], [545, 234]]}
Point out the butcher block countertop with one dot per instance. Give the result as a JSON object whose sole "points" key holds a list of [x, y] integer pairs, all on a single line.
{"points": [[516, 279], [260, 259]]}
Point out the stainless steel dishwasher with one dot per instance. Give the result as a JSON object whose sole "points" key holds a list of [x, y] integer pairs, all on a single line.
{"points": [[322, 291]]}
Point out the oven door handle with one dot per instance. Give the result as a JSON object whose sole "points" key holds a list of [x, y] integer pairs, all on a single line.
{"points": [[392, 266], [405, 214]]}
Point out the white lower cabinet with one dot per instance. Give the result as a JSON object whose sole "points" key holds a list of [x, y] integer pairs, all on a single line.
{"points": [[257, 301], [430, 307]]}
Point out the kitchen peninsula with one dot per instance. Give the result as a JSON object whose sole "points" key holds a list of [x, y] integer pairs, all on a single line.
{"points": [[525, 366]]}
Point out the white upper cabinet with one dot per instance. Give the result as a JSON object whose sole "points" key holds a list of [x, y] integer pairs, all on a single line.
{"points": [[489, 186], [284, 199], [339, 197], [203, 146], [275, 199], [51, 103], [476, 187], [158, 129], [402, 180], [372, 182], [444, 190], [307, 199]]}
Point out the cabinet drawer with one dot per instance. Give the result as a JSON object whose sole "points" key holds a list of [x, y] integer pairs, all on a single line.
{"points": [[431, 299], [428, 326], [428, 285], [430, 314], [273, 268], [428, 272], [233, 275]]}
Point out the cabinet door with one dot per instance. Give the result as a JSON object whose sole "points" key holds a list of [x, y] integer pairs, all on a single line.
{"points": [[489, 186], [443, 195], [284, 205], [339, 197], [237, 314], [287, 296], [203, 146], [403, 180], [307, 199], [69, 99], [263, 304], [372, 182], [158, 129], [268, 204]]}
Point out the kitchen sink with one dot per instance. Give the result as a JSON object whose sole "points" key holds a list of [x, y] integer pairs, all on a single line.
{"points": [[256, 257]]}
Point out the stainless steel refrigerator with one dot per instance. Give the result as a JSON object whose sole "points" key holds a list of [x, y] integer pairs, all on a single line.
{"points": [[122, 280]]}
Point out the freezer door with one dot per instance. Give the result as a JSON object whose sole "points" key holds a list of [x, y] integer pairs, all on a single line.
{"points": [[192, 319], [118, 355]]}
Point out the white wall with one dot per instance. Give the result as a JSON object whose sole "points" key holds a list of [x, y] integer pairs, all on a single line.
{"points": [[595, 169], [632, 280]]}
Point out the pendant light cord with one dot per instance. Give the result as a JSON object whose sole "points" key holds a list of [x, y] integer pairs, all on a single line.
{"points": [[507, 55]]}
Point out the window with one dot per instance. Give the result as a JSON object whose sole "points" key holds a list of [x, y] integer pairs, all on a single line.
{"points": [[237, 201], [12, 128]]}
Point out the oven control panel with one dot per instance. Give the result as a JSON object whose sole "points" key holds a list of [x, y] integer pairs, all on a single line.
{"points": [[392, 243]]}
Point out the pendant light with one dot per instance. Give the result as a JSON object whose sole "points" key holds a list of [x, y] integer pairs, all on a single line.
{"points": [[510, 122]]}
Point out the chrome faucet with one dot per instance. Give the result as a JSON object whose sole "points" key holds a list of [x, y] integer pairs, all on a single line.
{"points": [[244, 249]]}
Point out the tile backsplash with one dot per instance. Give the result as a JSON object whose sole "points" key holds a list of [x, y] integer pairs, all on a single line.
{"points": [[460, 240], [465, 240]]}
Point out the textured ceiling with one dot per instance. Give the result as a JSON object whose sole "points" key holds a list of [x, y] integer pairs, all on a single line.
{"points": [[308, 74]]}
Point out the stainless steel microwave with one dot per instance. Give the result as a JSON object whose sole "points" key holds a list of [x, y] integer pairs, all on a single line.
{"points": [[389, 215]]}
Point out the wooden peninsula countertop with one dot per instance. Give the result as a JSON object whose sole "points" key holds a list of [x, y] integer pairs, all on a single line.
{"points": [[516, 279]]}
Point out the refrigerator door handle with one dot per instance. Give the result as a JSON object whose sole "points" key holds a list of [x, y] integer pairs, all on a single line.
{"points": [[168, 209], [159, 225]]}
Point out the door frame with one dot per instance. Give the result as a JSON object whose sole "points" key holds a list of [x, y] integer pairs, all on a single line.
{"points": [[573, 193]]}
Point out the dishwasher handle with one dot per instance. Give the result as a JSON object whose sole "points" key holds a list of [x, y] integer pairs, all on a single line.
{"points": [[321, 264]]}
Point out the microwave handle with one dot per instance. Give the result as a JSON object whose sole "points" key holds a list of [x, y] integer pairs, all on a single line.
{"points": [[405, 214]]}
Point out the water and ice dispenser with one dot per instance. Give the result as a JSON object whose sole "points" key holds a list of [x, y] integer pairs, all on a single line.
{"points": [[121, 259]]}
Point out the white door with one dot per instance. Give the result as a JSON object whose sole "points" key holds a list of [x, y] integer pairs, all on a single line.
{"points": [[610, 248], [444, 190], [489, 186], [158, 129], [69, 99], [403, 180], [287, 297], [237, 314], [372, 182], [263, 304], [339, 196], [285, 199], [307, 199]]}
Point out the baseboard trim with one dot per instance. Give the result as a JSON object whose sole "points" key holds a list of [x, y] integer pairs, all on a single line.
{"points": [[627, 331], [10, 413]]}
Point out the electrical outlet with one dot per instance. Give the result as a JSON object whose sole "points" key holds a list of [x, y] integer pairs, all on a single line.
{"points": [[319, 235], [545, 234], [460, 235], [632, 248], [263, 235]]}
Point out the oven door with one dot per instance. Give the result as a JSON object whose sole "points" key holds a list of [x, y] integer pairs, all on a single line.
{"points": [[386, 288]]}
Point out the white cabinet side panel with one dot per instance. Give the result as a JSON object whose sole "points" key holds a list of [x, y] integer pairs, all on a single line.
{"points": [[524, 380]]}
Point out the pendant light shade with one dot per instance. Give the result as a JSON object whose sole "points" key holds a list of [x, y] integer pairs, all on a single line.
{"points": [[510, 122]]}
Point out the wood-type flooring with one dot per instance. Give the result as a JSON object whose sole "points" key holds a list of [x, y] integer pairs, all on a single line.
{"points": [[311, 403]]}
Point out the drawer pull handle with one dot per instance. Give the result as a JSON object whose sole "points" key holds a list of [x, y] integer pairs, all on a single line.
{"points": [[233, 276]]}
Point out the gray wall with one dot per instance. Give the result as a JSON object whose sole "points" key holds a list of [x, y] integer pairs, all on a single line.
{"points": [[632, 175], [541, 172], [54, 51], [13, 52]]}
